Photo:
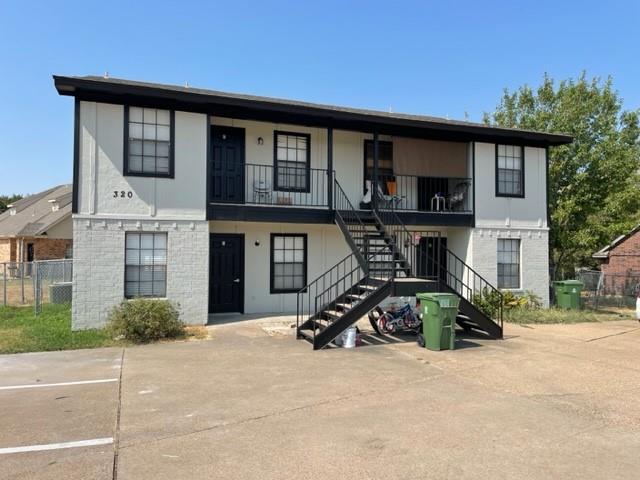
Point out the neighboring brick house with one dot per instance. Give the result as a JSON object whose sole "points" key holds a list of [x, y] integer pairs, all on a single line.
{"points": [[620, 261], [37, 227]]}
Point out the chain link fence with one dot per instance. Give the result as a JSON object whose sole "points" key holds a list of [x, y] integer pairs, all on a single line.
{"points": [[36, 283], [603, 291]]}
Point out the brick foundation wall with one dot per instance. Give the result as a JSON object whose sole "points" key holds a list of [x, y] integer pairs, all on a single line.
{"points": [[534, 257], [98, 267]]}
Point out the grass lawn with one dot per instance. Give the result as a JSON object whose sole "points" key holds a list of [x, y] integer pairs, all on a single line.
{"points": [[556, 315], [22, 331]]}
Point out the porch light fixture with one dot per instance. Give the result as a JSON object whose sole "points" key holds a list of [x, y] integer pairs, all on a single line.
{"points": [[260, 140], [257, 243]]}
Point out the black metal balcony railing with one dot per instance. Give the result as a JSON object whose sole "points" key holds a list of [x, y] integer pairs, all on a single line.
{"points": [[426, 194], [286, 186]]}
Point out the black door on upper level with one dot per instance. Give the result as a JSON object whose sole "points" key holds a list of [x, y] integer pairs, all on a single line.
{"points": [[226, 166], [429, 255], [226, 273]]}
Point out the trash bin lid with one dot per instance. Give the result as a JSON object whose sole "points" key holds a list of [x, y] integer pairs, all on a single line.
{"points": [[443, 299], [574, 283]]}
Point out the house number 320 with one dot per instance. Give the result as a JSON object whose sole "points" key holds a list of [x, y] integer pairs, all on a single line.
{"points": [[122, 194]]}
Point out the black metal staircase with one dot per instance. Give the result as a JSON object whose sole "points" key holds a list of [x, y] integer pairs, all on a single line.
{"points": [[382, 263]]}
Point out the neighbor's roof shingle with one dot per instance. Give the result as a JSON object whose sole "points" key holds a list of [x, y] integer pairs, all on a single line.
{"points": [[34, 214]]}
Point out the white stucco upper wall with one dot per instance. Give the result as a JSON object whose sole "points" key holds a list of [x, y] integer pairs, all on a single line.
{"points": [[493, 211], [101, 169], [184, 197]]}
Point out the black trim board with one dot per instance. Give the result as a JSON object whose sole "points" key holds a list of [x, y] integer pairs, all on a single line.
{"points": [[437, 219], [473, 181], [281, 111], [249, 213], [76, 157], [252, 213]]}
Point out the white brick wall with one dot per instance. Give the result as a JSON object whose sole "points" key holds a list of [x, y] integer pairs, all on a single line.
{"points": [[534, 257], [98, 269]]}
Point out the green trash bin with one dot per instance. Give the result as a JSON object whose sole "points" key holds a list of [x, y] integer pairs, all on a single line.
{"points": [[439, 311], [568, 293]]}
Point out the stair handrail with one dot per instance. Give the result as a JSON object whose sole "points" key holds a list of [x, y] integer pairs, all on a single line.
{"points": [[311, 295], [310, 291], [396, 226], [488, 299], [348, 220], [484, 296]]}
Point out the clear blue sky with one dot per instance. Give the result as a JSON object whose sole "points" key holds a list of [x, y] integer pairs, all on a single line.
{"points": [[418, 57]]}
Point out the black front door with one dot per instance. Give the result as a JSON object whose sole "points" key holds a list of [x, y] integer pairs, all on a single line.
{"points": [[226, 167], [226, 273], [429, 254]]}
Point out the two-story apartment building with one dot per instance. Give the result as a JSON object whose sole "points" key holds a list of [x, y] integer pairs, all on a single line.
{"points": [[234, 203]]}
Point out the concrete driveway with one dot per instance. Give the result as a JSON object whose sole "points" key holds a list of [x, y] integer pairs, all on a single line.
{"points": [[547, 402]]}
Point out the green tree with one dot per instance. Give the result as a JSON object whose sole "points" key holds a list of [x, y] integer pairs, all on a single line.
{"points": [[594, 183], [8, 200]]}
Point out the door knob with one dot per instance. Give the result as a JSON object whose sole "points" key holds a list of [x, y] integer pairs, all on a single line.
{"points": [[237, 280]]}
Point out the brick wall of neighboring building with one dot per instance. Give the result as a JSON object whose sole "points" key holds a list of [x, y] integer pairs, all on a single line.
{"points": [[624, 257], [5, 250], [622, 268], [50, 248], [8, 250]]}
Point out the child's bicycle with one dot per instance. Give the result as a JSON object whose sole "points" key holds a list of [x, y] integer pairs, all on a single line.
{"points": [[395, 319]]}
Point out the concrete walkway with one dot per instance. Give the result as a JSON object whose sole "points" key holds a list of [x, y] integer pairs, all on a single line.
{"points": [[251, 402]]}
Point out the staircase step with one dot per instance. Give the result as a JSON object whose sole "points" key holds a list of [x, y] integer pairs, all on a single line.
{"points": [[356, 297], [345, 307], [332, 313], [308, 334]]}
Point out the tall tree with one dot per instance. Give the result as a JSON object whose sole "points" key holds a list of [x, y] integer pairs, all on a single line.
{"points": [[594, 183], [8, 200]]}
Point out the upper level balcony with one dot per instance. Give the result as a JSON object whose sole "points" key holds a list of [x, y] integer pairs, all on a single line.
{"points": [[253, 191], [289, 176]]}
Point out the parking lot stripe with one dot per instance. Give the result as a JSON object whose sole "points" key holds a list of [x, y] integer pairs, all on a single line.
{"points": [[63, 384], [57, 446]]}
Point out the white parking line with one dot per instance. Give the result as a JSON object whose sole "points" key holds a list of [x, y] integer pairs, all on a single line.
{"points": [[57, 446], [63, 384]]}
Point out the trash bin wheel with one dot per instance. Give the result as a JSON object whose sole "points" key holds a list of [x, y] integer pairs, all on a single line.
{"points": [[420, 340]]}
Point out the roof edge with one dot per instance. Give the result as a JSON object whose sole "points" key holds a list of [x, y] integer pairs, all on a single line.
{"points": [[203, 98]]}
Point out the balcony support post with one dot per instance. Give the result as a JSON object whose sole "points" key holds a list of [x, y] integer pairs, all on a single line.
{"points": [[330, 167], [374, 180]]}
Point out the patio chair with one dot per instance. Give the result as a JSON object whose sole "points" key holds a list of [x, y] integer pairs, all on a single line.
{"points": [[458, 198], [390, 200], [262, 191]]}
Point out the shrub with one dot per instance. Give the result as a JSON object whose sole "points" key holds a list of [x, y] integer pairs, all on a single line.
{"points": [[488, 301], [143, 320]]}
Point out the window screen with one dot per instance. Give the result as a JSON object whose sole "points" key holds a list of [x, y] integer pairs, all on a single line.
{"points": [[149, 142], [292, 151], [510, 168], [288, 263], [508, 263], [145, 265]]}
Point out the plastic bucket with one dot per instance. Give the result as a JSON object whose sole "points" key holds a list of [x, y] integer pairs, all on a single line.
{"points": [[349, 338]]}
